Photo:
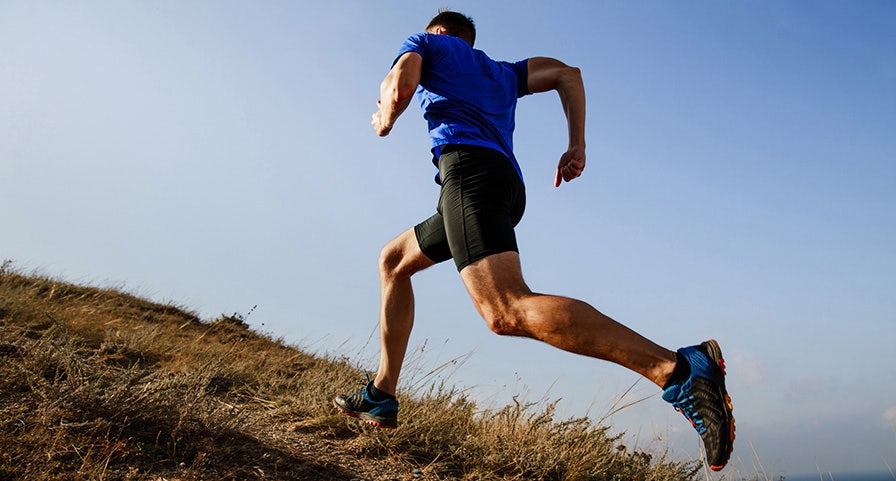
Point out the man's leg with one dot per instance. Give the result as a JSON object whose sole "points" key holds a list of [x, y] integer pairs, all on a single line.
{"points": [[399, 260], [502, 297], [375, 403], [695, 387]]}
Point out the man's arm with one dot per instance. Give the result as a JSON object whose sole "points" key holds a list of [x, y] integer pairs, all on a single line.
{"points": [[550, 74], [396, 92]]}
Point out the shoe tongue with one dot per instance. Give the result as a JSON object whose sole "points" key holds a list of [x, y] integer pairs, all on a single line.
{"points": [[700, 363], [677, 392], [672, 393]]}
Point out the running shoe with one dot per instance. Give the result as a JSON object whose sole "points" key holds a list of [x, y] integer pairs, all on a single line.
{"points": [[361, 405], [705, 402]]}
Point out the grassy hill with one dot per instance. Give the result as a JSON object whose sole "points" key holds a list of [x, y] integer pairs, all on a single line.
{"points": [[100, 384]]}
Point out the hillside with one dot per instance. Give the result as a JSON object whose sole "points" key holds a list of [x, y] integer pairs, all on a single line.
{"points": [[96, 383]]}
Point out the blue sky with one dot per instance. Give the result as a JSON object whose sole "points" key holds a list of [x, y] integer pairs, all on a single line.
{"points": [[740, 185]]}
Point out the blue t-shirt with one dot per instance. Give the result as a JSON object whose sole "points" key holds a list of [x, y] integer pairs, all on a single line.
{"points": [[467, 98]]}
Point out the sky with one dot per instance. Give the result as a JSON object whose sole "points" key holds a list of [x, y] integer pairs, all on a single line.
{"points": [[740, 186]]}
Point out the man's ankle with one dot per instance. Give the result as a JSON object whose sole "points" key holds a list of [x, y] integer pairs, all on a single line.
{"points": [[378, 395], [681, 372]]}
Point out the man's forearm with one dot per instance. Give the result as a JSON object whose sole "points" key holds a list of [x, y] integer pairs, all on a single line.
{"points": [[393, 100], [572, 97], [546, 74], [396, 91]]}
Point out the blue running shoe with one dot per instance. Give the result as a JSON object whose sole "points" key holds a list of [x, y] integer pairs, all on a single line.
{"points": [[361, 405], [705, 402]]}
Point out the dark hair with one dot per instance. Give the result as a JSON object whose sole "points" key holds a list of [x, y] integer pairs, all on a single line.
{"points": [[455, 24]]}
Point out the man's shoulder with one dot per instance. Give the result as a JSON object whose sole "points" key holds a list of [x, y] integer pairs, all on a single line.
{"points": [[414, 41], [426, 41], [417, 37]]}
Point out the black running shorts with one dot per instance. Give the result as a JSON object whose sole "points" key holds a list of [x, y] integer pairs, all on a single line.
{"points": [[481, 201]]}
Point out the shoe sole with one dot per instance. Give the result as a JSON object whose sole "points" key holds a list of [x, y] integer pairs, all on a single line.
{"points": [[715, 353], [368, 418]]}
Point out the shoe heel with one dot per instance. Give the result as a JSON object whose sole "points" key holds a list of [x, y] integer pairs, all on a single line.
{"points": [[715, 353]]}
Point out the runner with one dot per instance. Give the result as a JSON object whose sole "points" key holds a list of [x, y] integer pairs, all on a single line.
{"points": [[469, 102]]}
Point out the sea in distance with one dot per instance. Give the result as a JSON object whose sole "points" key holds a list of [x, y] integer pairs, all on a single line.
{"points": [[833, 476]]}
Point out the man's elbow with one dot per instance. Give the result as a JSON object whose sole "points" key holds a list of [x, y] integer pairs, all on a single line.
{"points": [[569, 80], [405, 90], [568, 75], [551, 74], [394, 90], [397, 96]]}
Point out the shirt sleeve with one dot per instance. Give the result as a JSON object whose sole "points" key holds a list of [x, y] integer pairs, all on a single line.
{"points": [[521, 69], [414, 43]]}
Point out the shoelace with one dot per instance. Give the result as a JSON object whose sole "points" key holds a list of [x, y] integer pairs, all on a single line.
{"points": [[687, 408], [357, 398]]}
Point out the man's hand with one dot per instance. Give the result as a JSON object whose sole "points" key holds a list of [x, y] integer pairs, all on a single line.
{"points": [[571, 164], [379, 123]]}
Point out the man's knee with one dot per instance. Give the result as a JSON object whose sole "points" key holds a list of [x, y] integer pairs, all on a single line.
{"points": [[502, 320], [498, 291], [401, 257], [391, 260], [503, 326]]}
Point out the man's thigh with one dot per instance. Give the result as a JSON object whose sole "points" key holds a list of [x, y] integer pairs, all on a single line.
{"points": [[495, 284], [481, 201], [432, 240]]}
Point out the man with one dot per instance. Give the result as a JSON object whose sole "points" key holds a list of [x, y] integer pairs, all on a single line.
{"points": [[469, 102]]}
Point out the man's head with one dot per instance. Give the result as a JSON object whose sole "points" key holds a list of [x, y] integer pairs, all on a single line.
{"points": [[454, 24]]}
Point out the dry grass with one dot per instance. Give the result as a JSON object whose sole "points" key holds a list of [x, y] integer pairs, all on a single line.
{"points": [[100, 384]]}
